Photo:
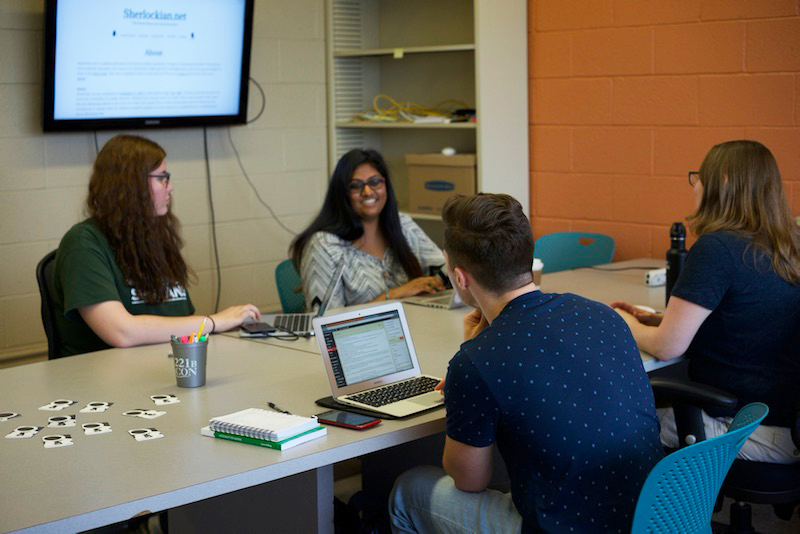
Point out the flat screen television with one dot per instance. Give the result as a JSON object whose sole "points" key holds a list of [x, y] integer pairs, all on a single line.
{"points": [[117, 64]]}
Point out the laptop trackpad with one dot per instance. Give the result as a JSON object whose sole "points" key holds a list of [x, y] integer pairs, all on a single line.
{"points": [[429, 399]]}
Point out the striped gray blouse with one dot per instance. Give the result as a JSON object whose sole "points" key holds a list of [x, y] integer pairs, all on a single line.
{"points": [[365, 277]]}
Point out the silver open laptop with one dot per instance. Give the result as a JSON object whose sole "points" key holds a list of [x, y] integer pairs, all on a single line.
{"points": [[371, 362], [288, 324], [445, 300]]}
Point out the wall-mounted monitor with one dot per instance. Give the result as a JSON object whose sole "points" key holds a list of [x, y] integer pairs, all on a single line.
{"points": [[118, 64]]}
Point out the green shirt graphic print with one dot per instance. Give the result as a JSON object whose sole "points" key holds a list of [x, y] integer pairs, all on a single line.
{"points": [[86, 273]]}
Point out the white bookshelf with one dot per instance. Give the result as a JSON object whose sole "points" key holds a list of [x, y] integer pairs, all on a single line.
{"points": [[428, 52]]}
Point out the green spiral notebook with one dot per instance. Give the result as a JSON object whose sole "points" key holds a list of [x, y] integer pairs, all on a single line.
{"points": [[287, 443]]}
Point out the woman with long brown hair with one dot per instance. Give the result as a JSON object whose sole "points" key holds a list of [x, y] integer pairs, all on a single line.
{"points": [[735, 308], [386, 254], [119, 277]]}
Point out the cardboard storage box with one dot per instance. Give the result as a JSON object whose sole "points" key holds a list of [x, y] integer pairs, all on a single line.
{"points": [[432, 178]]}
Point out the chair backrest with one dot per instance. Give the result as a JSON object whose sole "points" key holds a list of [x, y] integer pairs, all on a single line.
{"points": [[289, 283], [44, 277], [570, 250], [680, 491]]}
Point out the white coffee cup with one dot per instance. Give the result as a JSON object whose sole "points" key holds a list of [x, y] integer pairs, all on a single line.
{"points": [[537, 271]]}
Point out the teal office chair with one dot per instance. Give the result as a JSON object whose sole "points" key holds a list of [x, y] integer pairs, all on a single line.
{"points": [[748, 482], [571, 250], [289, 287], [680, 492]]}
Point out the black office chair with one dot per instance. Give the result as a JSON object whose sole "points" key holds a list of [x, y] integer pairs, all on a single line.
{"points": [[747, 481], [44, 276]]}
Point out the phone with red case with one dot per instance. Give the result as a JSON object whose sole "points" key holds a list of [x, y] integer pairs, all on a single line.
{"points": [[347, 419]]}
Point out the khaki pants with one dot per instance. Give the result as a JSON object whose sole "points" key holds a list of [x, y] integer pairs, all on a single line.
{"points": [[771, 444]]}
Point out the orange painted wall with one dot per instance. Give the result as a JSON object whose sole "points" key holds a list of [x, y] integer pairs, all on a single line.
{"points": [[627, 96]]}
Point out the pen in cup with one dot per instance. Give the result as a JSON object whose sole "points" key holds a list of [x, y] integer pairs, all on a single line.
{"points": [[202, 326]]}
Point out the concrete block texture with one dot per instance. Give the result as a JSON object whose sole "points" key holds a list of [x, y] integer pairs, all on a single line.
{"points": [[628, 96], [44, 177]]}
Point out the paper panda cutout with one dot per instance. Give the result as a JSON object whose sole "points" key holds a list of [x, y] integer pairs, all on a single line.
{"points": [[162, 400], [57, 405], [59, 421], [144, 414], [145, 434], [57, 440], [91, 429], [23, 432], [96, 407]]}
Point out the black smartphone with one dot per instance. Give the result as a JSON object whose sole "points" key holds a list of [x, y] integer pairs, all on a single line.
{"points": [[347, 419], [258, 328]]}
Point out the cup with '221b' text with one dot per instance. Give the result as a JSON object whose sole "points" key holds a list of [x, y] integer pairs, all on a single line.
{"points": [[190, 362]]}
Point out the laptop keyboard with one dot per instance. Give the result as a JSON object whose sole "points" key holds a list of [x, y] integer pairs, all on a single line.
{"points": [[396, 392], [295, 322]]}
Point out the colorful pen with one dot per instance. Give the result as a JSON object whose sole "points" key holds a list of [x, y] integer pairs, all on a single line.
{"points": [[202, 326]]}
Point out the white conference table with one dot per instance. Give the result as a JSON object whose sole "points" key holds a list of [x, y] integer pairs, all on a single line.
{"points": [[435, 331], [108, 478]]}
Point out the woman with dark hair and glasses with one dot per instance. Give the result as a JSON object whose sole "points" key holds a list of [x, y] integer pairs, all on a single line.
{"points": [[119, 278], [735, 308], [386, 255]]}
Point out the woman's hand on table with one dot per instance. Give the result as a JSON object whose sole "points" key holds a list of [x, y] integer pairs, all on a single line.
{"points": [[417, 286], [629, 311], [234, 316]]}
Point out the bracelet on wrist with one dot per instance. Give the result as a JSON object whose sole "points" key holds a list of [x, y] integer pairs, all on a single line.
{"points": [[213, 324]]}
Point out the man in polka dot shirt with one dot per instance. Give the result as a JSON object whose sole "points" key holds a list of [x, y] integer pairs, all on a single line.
{"points": [[554, 381]]}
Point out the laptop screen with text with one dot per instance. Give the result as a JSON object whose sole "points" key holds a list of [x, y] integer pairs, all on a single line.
{"points": [[367, 347]]}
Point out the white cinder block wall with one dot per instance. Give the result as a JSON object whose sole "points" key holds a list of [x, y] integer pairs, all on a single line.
{"points": [[43, 178]]}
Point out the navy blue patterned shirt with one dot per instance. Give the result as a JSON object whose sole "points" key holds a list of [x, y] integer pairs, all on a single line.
{"points": [[557, 383]]}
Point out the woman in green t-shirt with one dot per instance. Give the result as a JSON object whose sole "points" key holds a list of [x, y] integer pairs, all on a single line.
{"points": [[119, 277]]}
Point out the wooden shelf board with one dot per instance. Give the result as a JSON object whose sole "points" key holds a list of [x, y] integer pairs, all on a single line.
{"points": [[367, 124], [401, 51]]}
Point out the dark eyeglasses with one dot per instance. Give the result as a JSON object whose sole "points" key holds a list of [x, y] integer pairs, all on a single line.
{"points": [[694, 177], [163, 178], [375, 183]]}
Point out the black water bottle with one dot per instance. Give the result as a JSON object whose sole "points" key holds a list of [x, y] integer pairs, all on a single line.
{"points": [[675, 255]]}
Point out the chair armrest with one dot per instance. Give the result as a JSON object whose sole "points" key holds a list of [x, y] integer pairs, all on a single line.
{"points": [[688, 400], [688, 392]]}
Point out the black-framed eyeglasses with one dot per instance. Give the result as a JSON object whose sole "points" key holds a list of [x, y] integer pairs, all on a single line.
{"points": [[375, 183], [694, 177], [163, 178]]}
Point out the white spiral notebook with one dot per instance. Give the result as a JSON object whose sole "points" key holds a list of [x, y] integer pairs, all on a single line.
{"points": [[263, 424]]}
